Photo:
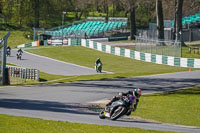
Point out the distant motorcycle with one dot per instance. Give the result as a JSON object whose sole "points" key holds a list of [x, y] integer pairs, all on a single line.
{"points": [[99, 67], [8, 53], [117, 109], [19, 56]]}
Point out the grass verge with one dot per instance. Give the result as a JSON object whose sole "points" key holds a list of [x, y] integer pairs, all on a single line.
{"points": [[13, 124], [179, 107], [120, 66], [186, 54], [15, 38]]}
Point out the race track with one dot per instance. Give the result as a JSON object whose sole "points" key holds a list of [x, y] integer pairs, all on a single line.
{"points": [[70, 101], [48, 65]]}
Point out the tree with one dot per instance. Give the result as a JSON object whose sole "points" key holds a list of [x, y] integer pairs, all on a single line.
{"points": [[36, 7], [160, 23], [130, 6], [1, 6], [178, 13], [132, 19]]}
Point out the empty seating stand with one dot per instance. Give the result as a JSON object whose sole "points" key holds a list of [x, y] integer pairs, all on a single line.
{"points": [[189, 20], [91, 27]]}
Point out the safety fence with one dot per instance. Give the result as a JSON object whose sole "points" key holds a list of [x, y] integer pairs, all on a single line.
{"points": [[188, 34], [74, 41], [160, 47], [36, 43], [148, 57], [20, 75]]}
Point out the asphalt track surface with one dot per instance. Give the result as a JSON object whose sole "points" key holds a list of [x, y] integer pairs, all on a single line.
{"points": [[48, 65], [69, 101]]}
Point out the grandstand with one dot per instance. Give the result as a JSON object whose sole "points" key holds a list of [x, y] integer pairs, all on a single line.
{"points": [[190, 29], [92, 27], [189, 20]]}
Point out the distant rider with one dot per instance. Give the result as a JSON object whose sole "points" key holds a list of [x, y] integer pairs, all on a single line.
{"points": [[19, 53], [97, 62], [133, 95], [8, 50]]}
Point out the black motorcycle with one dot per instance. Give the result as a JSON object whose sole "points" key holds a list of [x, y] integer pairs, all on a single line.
{"points": [[116, 109], [19, 56], [8, 53]]}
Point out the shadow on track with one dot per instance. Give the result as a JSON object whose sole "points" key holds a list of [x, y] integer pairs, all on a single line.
{"points": [[147, 84], [39, 105]]}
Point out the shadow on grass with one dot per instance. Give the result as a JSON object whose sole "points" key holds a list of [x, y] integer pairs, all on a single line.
{"points": [[190, 91], [42, 80]]}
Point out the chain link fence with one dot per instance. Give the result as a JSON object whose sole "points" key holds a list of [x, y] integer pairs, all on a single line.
{"points": [[160, 47], [188, 35]]}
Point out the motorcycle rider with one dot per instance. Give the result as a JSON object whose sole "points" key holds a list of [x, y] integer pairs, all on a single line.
{"points": [[134, 95], [8, 50], [97, 62], [19, 52]]}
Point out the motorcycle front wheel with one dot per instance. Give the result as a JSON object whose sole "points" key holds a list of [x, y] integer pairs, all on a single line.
{"points": [[101, 114], [117, 113]]}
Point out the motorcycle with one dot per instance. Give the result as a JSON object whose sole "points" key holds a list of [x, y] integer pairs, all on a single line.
{"points": [[117, 109], [8, 53], [19, 56], [99, 67]]}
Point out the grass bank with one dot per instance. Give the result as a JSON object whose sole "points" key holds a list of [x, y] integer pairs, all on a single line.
{"points": [[186, 54], [16, 37], [13, 124], [120, 66], [179, 107]]}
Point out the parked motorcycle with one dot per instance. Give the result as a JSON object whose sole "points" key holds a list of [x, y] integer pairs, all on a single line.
{"points": [[99, 67], [117, 109], [19, 56]]}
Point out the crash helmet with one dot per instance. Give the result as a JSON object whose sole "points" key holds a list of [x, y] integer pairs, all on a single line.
{"points": [[137, 92]]}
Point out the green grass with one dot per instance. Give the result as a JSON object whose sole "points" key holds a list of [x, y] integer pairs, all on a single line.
{"points": [[120, 66], [179, 107], [15, 38], [185, 50], [20, 81], [13, 124], [186, 54], [124, 41]]}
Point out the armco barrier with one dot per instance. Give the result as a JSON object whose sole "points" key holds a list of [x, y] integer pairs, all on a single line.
{"points": [[148, 57], [117, 38], [74, 41], [36, 43]]}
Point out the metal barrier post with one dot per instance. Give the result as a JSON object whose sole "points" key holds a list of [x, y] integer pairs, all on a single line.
{"points": [[4, 59]]}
